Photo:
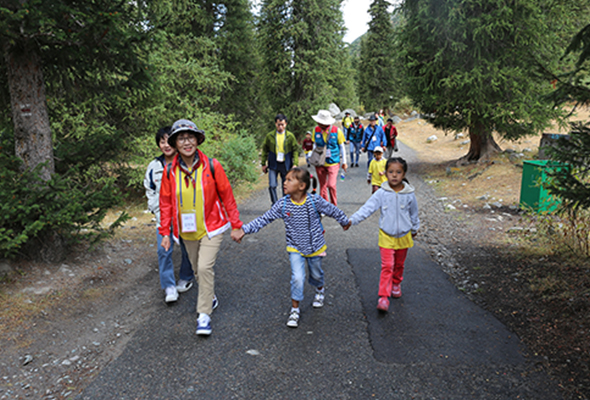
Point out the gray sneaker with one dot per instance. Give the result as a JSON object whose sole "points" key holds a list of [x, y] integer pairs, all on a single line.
{"points": [[183, 285], [318, 300], [293, 321]]}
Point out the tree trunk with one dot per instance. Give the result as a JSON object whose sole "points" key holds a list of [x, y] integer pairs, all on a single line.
{"points": [[32, 132], [481, 145]]}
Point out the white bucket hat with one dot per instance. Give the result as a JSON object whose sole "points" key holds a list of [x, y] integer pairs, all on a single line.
{"points": [[324, 117]]}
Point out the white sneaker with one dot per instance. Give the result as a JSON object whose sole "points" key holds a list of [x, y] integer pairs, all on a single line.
{"points": [[171, 294], [318, 300], [204, 325], [183, 285], [293, 321]]}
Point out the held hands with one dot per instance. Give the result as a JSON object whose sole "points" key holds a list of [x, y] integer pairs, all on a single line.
{"points": [[265, 168], [237, 235], [345, 227]]}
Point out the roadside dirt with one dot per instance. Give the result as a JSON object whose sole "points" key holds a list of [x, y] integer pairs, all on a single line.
{"points": [[61, 324]]}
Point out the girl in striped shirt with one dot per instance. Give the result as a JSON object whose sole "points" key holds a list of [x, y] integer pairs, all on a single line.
{"points": [[300, 212]]}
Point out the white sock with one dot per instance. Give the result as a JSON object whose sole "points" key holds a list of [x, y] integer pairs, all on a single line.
{"points": [[295, 309]]}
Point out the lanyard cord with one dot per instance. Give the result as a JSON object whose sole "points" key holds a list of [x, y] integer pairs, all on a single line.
{"points": [[194, 186]]}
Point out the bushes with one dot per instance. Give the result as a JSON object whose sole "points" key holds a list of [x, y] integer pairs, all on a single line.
{"points": [[239, 159], [40, 218]]}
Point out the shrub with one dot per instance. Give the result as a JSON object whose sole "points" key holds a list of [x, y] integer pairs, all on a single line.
{"points": [[39, 219], [403, 106], [239, 159]]}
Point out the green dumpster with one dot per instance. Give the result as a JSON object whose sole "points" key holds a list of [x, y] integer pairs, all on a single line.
{"points": [[532, 193]]}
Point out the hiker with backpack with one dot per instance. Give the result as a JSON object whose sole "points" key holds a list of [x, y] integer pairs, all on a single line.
{"points": [[197, 200], [373, 137], [152, 182]]}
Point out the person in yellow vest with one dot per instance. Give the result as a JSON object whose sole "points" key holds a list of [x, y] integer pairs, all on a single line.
{"points": [[347, 120], [281, 150], [197, 206]]}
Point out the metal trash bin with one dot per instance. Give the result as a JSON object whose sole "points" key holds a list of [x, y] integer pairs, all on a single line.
{"points": [[532, 193]]}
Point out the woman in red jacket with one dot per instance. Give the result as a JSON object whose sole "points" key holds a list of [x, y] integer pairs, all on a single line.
{"points": [[197, 200]]}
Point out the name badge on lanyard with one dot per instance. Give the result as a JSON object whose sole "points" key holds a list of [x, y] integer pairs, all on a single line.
{"points": [[189, 222], [280, 157]]}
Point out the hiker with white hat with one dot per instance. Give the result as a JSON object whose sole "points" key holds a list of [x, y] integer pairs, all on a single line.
{"points": [[331, 138]]}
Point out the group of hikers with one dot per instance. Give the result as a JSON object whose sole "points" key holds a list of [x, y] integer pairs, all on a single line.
{"points": [[193, 202]]}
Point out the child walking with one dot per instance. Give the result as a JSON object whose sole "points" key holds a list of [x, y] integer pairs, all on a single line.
{"points": [[152, 183], [398, 224], [376, 175], [300, 212]]}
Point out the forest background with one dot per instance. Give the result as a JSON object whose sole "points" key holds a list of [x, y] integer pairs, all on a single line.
{"points": [[85, 85]]}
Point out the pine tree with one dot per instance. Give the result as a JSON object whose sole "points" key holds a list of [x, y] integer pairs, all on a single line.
{"points": [[74, 39], [306, 65], [377, 82], [573, 183], [470, 66]]}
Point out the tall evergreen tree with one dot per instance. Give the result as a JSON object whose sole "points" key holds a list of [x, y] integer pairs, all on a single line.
{"points": [[75, 39], [306, 64], [469, 66], [377, 84], [573, 183], [238, 53]]}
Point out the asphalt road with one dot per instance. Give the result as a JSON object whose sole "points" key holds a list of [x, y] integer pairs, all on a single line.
{"points": [[433, 344]]}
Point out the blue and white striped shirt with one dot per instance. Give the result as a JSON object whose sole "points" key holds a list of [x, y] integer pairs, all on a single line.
{"points": [[303, 227]]}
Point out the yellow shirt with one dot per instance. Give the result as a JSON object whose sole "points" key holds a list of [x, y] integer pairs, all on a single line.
{"points": [[347, 121], [390, 242], [190, 200], [375, 168], [294, 250], [280, 142]]}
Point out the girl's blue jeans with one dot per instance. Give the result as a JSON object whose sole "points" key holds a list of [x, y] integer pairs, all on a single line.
{"points": [[316, 274], [166, 267]]}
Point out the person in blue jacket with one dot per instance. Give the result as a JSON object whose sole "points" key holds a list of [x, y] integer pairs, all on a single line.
{"points": [[354, 136], [373, 137]]}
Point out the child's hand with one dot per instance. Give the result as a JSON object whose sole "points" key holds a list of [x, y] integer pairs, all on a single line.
{"points": [[237, 235], [382, 173], [345, 227], [165, 243], [414, 234], [369, 181]]}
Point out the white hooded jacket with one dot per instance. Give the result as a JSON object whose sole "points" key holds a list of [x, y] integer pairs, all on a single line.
{"points": [[399, 211]]}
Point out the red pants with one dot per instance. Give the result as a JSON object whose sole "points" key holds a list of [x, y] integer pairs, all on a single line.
{"points": [[392, 269], [328, 176]]}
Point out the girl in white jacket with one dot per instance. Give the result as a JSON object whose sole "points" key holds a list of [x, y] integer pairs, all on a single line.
{"points": [[398, 224]]}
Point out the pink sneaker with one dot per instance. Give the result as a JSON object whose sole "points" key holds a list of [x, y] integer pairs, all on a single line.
{"points": [[383, 304], [396, 291]]}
